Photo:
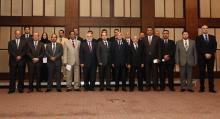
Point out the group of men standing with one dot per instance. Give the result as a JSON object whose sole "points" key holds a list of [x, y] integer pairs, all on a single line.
{"points": [[147, 58]]}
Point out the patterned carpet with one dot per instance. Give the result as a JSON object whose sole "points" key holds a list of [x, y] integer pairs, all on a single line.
{"points": [[110, 105]]}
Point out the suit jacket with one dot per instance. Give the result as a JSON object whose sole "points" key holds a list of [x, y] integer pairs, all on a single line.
{"points": [[168, 49], [62, 40], [104, 53], [14, 52], [206, 47], [87, 57], [58, 54], [184, 57], [119, 53], [135, 56], [79, 38], [27, 39], [38, 53], [151, 51], [71, 54]]}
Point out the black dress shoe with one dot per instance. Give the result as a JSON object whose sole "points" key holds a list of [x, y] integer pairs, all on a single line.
{"points": [[212, 91], [190, 90], [131, 89], [39, 90], [11, 91], [59, 90], [172, 89], [117, 89], [92, 89], [182, 90], [108, 89], [201, 90], [21, 91], [140, 89], [68, 90], [101, 89], [77, 90], [124, 89], [30, 91], [48, 90], [156, 89]]}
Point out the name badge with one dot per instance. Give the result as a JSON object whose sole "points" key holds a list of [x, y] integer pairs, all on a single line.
{"points": [[45, 60]]}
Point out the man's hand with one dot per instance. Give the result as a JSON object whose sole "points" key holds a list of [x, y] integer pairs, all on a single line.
{"points": [[113, 65], [208, 56], [142, 65], [166, 57], [128, 66], [18, 58], [100, 64], [35, 60], [82, 65], [52, 58]]}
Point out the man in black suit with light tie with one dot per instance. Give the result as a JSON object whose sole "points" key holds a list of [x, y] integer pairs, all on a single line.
{"points": [[17, 51], [166, 67], [135, 64], [151, 51], [54, 52], [88, 62], [35, 53], [206, 48], [27, 36], [104, 61], [119, 60]]}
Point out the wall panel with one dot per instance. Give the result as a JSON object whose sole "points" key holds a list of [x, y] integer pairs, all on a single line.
{"points": [[60, 8], [16, 7], [179, 10], [5, 7], [49, 31], [27, 7], [96, 32], [49, 7], [4, 61], [135, 8], [127, 9], [83, 31], [39, 30], [96, 8], [118, 8], [159, 8], [169, 8], [105, 8], [38, 7], [4, 37], [84, 8], [205, 8], [215, 8], [135, 32]]}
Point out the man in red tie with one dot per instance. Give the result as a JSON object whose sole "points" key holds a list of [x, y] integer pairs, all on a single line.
{"points": [[88, 62]]}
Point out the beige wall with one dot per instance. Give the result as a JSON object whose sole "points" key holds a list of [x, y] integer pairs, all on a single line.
{"points": [[209, 8], [32, 7]]}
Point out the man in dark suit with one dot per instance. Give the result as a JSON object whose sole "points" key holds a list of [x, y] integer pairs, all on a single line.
{"points": [[27, 36], [167, 63], [88, 62], [135, 64], [104, 61], [119, 60], [206, 48], [77, 34], [151, 50], [54, 52], [35, 53], [17, 51], [113, 38]]}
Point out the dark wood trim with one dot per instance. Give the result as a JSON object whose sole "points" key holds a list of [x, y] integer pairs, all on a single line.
{"points": [[191, 14], [32, 21], [211, 22], [115, 21], [147, 13], [169, 22]]}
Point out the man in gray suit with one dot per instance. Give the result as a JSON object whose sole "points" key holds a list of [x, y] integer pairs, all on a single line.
{"points": [[54, 52], [186, 58], [71, 61]]}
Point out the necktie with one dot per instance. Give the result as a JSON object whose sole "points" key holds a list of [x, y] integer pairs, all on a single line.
{"points": [[54, 48], [73, 43], [26, 36], [17, 43], [106, 43], [186, 45], [149, 40], [90, 46], [206, 38], [35, 45]]}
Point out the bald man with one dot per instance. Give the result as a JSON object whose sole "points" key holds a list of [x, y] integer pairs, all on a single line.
{"points": [[17, 51], [35, 55]]}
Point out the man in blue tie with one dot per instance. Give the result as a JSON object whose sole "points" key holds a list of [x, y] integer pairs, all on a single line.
{"points": [[206, 48]]}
